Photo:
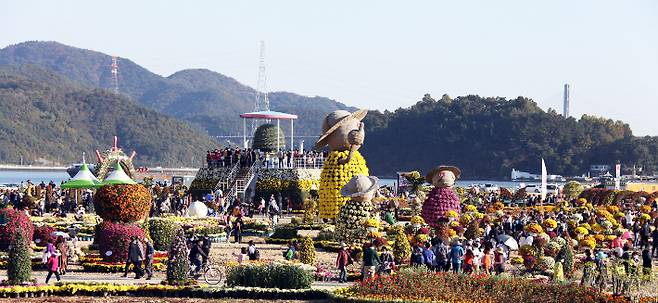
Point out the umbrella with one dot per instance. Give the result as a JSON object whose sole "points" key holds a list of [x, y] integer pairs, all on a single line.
{"points": [[118, 176], [83, 179], [508, 241]]}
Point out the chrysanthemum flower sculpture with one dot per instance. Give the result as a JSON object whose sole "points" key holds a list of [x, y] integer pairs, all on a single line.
{"points": [[353, 221], [343, 133], [443, 197]]}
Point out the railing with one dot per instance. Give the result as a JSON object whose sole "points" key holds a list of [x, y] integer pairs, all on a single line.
{"points": [[298, 162], [224, 183]]}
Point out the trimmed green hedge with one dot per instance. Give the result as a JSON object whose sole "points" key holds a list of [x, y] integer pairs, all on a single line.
{"points": [[269, 276]]}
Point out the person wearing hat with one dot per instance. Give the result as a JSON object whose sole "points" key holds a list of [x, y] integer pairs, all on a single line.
{"points": [[349, 223], [443, 197], [344, 133], [342, 261]]}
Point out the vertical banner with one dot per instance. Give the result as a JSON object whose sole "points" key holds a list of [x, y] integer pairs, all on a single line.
{"points": [[617, 176], [544, 180]]}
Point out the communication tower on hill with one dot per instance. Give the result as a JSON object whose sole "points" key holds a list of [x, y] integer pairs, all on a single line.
{"points": [[262, 102], [115, 75]]}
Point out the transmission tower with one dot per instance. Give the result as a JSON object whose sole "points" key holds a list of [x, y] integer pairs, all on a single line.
{"points": [[115, 75], [262, 102]]}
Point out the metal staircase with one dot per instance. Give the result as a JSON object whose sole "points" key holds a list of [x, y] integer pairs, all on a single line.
{"points": [[239, 179]]}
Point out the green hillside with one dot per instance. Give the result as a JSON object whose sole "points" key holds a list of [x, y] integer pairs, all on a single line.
{"points": [[44, 116]]}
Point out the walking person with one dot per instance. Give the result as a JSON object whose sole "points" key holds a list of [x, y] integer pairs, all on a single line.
{"points": [[342, 261], [370, 261], [148, 264], [135, 257], [53, 267], [237, 229], [63, 254]]}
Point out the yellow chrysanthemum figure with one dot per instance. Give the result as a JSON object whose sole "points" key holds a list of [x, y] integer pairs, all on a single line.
{"points": [[343, 132]]}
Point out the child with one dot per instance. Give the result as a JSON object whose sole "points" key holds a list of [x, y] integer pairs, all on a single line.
{"points": [[53, 266], [242, 256]]}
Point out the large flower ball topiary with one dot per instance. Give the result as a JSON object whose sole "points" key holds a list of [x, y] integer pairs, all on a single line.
{"points": [[114, 240], [265, 138], [10, 220], [122, 202]]}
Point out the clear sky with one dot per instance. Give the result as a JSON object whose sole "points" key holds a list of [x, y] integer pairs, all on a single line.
{"points": [[381, 54]]}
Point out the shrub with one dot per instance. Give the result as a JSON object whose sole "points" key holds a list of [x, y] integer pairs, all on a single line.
{"points": [[269, 276], [19, 269], [162, 232], [42, 234], [123, 202], [285, 233], [178, 264], [10, 221], [114, 240], [307, 251], [572, 189]]}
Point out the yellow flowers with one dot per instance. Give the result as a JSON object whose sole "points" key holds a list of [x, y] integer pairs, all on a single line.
{"points": [[417, 220], [372, 222], [534, 228], [452, 214], [588, 242], [581, 231], [645, 217], [422, 238], [550, 223], [334, 176], [470, 208]]}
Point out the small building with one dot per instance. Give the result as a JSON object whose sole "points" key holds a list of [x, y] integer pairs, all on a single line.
{"points": [[597, 170]]}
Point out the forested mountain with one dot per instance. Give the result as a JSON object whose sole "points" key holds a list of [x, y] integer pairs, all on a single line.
{"points": [[45, 116], [487, 137], [206, 99]]}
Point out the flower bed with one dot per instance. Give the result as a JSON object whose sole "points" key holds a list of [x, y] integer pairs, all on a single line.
{"points": [[414, 286], [154, 290], [95, 263]]}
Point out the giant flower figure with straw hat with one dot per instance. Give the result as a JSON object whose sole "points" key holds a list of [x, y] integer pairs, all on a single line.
{"points": [[343, 132], [442, 198], [356, 215]]}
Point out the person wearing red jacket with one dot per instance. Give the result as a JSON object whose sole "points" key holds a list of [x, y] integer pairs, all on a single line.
{"points": [[53, 266], [342, 261]]}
